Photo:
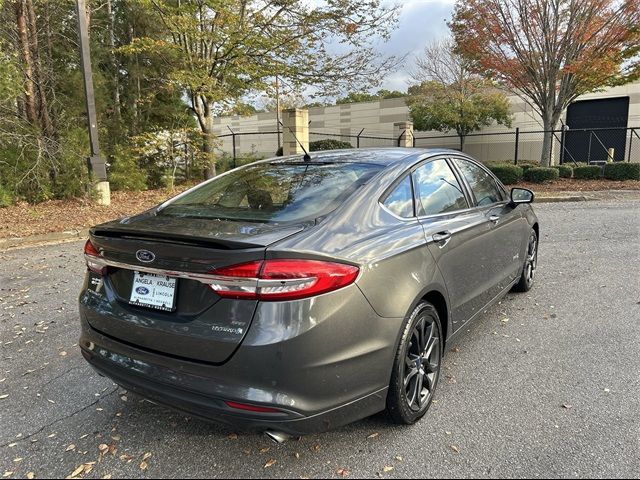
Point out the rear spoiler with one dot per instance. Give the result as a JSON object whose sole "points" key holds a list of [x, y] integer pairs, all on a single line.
{"points": [[217, 243]]}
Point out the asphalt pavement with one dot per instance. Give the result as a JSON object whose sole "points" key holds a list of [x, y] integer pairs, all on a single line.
{"points": [[545, 384]]}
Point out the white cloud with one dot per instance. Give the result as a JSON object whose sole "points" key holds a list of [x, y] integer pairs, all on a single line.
{"points": [[420, 22]]}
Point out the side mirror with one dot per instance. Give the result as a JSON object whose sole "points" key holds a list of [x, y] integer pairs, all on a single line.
{"points": [[521, 195]]}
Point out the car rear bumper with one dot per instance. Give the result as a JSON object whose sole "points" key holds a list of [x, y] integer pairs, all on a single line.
{"points": [[320, 372], [209, 409]]}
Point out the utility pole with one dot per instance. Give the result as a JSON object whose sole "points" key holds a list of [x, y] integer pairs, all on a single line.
{"points": [[95, 162], [278, 110]]}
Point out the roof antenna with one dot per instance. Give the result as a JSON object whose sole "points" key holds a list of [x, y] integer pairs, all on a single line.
{"points": [[307, 157]]}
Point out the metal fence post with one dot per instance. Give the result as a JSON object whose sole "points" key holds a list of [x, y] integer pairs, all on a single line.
{"points": [[358, 138], [515, 154], [631, 132], [400, 137], [563, 138], [233, 142]]}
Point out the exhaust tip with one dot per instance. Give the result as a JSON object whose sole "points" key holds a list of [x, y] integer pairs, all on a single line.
{"points": [[277, 437]]}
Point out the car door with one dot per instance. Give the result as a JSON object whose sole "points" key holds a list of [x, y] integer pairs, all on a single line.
{"points": [[455, 232], [503, 245]]}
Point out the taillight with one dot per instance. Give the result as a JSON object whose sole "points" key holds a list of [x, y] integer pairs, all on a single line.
{"points": [[285, 279], [91, 253]]}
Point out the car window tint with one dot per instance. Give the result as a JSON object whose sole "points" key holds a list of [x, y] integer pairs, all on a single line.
{"points": [[274, 192], [400, 200], [437, 189], [483, 185]]}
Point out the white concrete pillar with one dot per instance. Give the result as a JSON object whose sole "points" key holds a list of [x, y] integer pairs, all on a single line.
{"points": [[102, 193], [403, 134], [295, 124]]}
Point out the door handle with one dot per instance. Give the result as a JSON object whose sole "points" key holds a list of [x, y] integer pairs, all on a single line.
{"points": [[442, 238], [494, 218]]}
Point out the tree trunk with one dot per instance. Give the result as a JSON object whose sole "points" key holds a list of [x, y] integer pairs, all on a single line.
{"points": [[23, 40], [209, 145], [461, 135], [549, 123], [114, 63], [38, 77]]}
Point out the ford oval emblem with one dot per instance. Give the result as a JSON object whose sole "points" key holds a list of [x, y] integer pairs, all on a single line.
{"points": [[145, 256], [142, 290]]}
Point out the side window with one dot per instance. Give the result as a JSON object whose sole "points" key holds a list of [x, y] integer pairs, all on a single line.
{"points": [[484, 187], [437, 189], [400, 200]]}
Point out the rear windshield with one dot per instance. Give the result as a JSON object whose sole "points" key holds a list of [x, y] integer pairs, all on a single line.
{"points": [[274, 192]]}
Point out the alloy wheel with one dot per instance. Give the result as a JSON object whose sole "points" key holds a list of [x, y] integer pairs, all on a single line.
{"points": [[422, 363], [532, 259]]}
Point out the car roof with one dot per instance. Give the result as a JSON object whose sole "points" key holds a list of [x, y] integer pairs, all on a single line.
{"points": [[379, 156]]}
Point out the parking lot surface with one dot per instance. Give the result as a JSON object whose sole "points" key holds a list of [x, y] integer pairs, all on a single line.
{"points": [[545, 384]]}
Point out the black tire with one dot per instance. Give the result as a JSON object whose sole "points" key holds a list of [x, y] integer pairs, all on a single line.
{"points": [[416, 366], [527, 278]]}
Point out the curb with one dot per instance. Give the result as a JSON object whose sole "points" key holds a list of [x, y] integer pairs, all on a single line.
{"points": [[44, 239], [576, 198]]}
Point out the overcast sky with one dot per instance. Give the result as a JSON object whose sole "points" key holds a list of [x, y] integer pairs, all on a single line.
{"points": [[420, 22]]}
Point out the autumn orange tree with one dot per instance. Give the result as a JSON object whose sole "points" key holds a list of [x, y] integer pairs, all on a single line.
{"points": [[548, 52]]}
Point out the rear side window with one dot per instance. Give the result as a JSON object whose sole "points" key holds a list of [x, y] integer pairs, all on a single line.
{"points": [[274, 192], [483, 185], [400, 200], [437, 189]]}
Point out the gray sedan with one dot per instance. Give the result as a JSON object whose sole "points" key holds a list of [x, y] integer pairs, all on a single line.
{"points": [[298, 294]]}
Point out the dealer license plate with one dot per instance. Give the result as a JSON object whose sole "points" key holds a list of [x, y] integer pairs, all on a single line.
{"points": [[153, 291]]}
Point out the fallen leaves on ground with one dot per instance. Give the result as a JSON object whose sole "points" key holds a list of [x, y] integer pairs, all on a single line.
{"points": [[82, 469], [270, 463], [343, 472], [454, 448], [387, 468], [23, 219], [573, 185]]}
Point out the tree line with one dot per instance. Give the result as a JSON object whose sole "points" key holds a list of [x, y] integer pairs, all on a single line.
{"points": [[164, 69]]}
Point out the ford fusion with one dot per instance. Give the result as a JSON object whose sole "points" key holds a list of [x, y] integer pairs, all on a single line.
{"points": [[298, 294]]}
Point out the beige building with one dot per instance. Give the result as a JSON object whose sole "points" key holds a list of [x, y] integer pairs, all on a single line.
{"points": [[617, 107]]}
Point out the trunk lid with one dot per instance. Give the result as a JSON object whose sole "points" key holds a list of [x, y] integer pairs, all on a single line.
{"points": [[202, 326]]}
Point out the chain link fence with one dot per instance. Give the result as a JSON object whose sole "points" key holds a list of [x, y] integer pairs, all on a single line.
{"points": [[593, 146]]}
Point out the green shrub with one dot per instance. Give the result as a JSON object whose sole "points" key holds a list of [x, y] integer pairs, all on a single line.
{"points": [[327, 144], [226, 163], [125, 173], [6, 198], [72, 176], [527, 164], [587, 172], [622, 171], [540, 174], [565, 171], [508, 174]]}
